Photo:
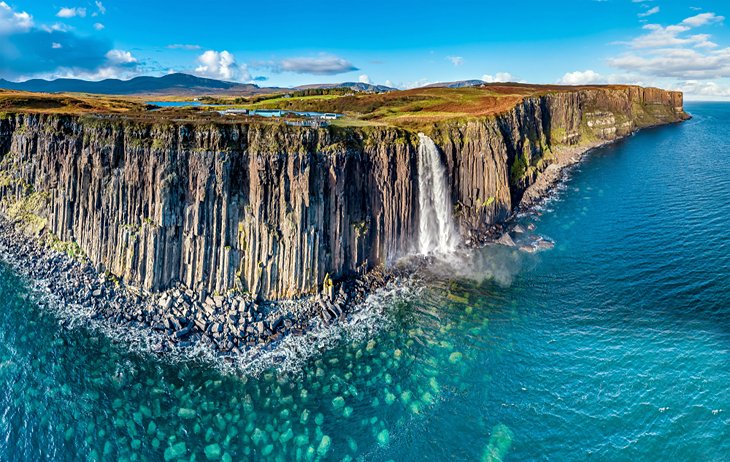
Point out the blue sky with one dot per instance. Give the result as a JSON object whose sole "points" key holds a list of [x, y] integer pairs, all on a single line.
{"points": [[671, 44]]}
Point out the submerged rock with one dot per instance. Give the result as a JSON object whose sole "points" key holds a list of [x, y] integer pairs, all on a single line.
{"points": [[383, 437], [185, 413], [175, 451], [213, 451], [500, 442], [324, 446]]}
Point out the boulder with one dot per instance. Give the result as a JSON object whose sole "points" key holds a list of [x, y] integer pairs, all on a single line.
{"points": [[506, 240]]}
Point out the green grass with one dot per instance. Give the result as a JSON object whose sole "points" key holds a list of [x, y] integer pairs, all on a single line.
{"points": [[70, 248], [27, 211], [416, 109]]}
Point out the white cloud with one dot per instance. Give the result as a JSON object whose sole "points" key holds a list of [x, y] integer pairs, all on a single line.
{"points": [[71, 12], [498, 77], [676, 51], [117, 57], [56, 27], [29, 50], [102, 73], [456, 60], [414, 84], [678, 62], [591, 77], [581, 78], [221, 65], [98, 26], [100, 7], [13, 21], [649, 12], [703, 19], [696, 89], [118, 64], [364, 78], [659, 36], [323, 64]]}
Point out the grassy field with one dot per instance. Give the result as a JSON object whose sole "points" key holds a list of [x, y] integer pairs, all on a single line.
{"points": [[18, 101], [412, 109], [409, 108]]}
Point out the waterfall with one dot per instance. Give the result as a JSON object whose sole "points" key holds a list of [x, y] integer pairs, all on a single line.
{"points": [[436, 229]]}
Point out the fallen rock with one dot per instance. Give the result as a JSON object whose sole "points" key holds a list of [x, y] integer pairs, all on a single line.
{"points": [[506, 239]]}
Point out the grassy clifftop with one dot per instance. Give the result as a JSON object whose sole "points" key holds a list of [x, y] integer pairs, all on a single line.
{"points": [[410, 109], [21, 101]]}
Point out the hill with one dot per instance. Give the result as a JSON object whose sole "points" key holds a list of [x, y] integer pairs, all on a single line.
{"points": [[172, 84], [355, 86]]}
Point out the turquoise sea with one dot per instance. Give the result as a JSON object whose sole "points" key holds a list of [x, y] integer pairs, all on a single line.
{"points": [[613, 346]]}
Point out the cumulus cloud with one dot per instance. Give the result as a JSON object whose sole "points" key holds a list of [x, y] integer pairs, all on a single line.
{"points": [[221, 65], [703, 19], [649, 12], [120, 57], [13, 21], [669, 36], [364, 78], [697, 88], [587, 77], [591, 77], [71, 12], [183, 46], [676, 51], [320, 65], [100, 8], [499, 77], [679, 63], [98, 26], [456, 60], [29, 50]]}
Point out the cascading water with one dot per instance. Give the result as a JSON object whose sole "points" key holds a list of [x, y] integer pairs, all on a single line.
{"points": [[437, 233]]}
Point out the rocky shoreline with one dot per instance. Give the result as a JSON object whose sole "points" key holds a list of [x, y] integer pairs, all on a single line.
{"points": [[228, 325], [565, 157], [512, 234], [232, 324], [551, 176]]}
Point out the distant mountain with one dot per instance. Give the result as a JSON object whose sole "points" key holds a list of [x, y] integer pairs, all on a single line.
{"points": [[457, 84], [172, 84], [168, 84], [355, 86]]}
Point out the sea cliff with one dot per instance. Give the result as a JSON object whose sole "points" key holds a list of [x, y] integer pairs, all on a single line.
{"points": [[278, 211]]}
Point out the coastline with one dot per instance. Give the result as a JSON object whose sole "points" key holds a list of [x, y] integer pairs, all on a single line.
{"points": [[552, 175], [566, 158], [222, 326], [234, 326]]}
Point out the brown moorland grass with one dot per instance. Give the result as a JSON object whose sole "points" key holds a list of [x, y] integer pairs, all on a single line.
{"points": [[61, 103], [413, 109]]}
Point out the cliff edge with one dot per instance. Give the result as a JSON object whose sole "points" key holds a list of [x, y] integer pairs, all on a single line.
{"points": [[276, 210]]}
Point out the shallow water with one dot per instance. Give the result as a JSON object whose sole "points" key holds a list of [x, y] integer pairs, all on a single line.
{"points": [[614, 345]]}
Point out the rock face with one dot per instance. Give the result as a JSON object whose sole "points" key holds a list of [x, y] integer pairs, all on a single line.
{"points": [[276, 210]]}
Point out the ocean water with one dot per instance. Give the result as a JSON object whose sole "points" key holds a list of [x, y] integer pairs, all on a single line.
{"points": [[613, 346]]}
